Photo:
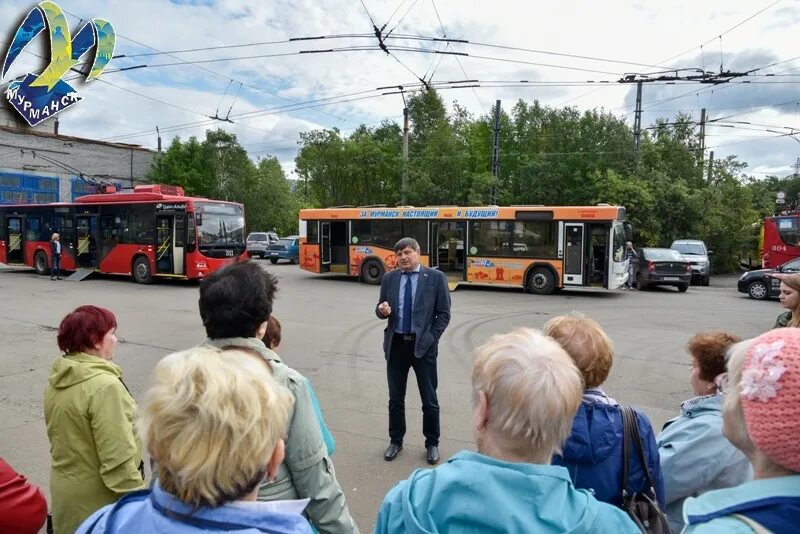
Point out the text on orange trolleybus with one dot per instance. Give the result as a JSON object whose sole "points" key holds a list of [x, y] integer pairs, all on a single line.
{"points": [[149, 231], [540, 248]]}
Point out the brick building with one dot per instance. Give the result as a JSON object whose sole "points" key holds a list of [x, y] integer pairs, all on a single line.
{"points": [[39, 165]]}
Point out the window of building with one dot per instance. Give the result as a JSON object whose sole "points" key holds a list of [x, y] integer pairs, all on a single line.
{"points": [[7, 180]]}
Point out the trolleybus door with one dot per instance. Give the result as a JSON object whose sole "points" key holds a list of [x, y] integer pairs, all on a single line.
{"points": [[164, 244], [573, 255], [178, 243], [16, 240], [434, 248], [86, 244], [325, 242]]}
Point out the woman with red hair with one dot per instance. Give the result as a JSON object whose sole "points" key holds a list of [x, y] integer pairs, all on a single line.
{"points": [[89, 412]]}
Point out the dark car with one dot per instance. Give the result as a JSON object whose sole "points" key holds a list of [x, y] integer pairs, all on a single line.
{"points": [[761, 285], [662, 267], [287, 248]]}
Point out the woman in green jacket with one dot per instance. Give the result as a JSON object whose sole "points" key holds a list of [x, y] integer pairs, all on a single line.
{"points": [[89, 412]]}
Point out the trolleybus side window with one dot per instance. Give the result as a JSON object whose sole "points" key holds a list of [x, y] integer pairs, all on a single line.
{"points": [[419, 231], [312, 232], [535, 239], [362, 232], [491, 238], [33, 229], [386, 232], [191, 233]]}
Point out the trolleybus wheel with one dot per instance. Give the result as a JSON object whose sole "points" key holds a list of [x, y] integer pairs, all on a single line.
{"points": [[40, 263], [372, 272], [141, 271], [541, 281]]}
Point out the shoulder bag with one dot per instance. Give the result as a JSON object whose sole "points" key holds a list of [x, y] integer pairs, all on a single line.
{"points": [[641, 507]]}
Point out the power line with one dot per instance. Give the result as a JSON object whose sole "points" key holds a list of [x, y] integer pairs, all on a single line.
{"points": [[249, 86], [460, 65], [751, 17]]}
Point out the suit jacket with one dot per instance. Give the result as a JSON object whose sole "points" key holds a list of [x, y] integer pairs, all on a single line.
{"points": [[53, 248], [431, 312]]}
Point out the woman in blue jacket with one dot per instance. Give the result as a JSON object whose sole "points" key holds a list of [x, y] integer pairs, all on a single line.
{"points": [[593, 452], [695, 455], [533, 389], [214, 422]]}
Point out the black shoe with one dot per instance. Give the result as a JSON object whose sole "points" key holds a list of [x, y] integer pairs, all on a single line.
{"points": [[51, 278], [432, 454], [392, 451], [58, 278]]}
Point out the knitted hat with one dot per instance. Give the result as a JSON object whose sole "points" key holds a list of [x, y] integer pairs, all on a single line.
{"points": [[770, 395]]}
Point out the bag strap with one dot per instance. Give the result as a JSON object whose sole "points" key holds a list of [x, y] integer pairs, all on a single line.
{"points": [[637, 441], [625, 453], [757, 527]]}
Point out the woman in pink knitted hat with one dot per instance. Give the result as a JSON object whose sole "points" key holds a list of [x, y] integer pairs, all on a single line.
{"points": [[761, 417]]}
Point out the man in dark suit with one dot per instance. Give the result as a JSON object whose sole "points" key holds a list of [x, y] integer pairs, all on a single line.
{"points": [[416, 302]]}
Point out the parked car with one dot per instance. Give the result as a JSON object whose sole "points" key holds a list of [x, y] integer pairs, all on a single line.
{"points": [[287, 248], [259, 242], [761, 285], [662, 267], [696, 253]]}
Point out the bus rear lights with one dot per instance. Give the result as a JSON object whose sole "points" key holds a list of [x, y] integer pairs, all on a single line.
{"points": [[201, 265], [651, 266]]}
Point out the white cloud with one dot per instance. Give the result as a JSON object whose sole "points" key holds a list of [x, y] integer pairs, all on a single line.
{"points": [[646, 33]]}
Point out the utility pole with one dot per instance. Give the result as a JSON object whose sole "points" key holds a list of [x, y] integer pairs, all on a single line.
{"points": [[710, 165], [404, 183], [495, 153], [637, 119], [159, 139], [702, 133]]}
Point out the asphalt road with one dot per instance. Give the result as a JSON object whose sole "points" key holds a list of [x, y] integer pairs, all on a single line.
{"points": [[330, 334]]}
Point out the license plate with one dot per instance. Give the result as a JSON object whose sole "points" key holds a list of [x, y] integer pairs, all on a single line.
{"points": [[273, 254], [671, 279]]}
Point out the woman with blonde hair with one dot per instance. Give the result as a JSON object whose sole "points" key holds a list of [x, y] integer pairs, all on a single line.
{"points": [[593, 453], [761, 417], [525, 390], [213, 422], [790, 299]]}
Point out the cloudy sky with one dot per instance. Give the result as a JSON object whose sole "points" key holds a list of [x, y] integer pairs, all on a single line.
{"points": [[249, 73]]}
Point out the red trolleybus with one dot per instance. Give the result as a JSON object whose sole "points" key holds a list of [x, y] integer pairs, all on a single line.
{"points": [[540, 248], [147, 232], [780, 239]]}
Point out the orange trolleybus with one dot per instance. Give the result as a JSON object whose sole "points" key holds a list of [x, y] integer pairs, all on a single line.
{"points": [[149, 231], [539, 248]]}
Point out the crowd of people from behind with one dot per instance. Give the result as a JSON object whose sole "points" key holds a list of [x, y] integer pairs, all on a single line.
{"points": [[238, 442]]}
